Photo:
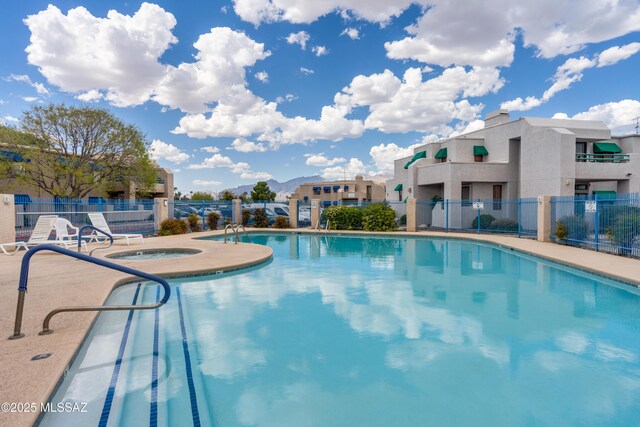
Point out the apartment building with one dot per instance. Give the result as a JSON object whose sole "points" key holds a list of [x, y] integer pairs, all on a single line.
{"points": [[339, 192], [520, 158]]}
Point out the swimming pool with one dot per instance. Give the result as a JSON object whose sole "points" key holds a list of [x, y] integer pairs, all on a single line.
{"points": [[147, 254], [367, 332]]}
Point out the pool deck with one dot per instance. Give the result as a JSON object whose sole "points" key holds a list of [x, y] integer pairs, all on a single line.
{"points": [[57, 281]]}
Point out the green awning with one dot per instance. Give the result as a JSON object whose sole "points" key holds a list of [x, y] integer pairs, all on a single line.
{"points": [[417, 156], [605, 194], [480, 150], [606, 148], [398, 187], [405, 199], [442, 154]]}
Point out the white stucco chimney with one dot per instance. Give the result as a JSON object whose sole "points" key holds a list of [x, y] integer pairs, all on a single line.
{"points": [[496, 117]]}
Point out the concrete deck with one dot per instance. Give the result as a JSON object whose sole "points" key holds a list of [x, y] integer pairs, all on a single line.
{"points": [[55, 281], [51, 285]]}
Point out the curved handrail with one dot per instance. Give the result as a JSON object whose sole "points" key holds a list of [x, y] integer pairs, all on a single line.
{"points": [[91, 227], [245, 232], [24, 277], [232, 229]]}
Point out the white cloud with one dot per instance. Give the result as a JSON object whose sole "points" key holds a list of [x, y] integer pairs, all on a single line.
{"points": [[30, 98], [202, 183], [321, 161], [219, 161], [39, 87], [92, 55], [244, 146], [263, 76], [90, 96], [571, 71], [162, 150], [255, 175], [288, 97], [210, 149], [416, 105], [307, 11], [350, 170], [383, 156], [617, 53], [352, 33], [306, 71], [10, 119], [620, 116], [301, 38], [320, 50]]}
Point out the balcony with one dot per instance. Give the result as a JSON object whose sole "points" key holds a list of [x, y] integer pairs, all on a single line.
{"points": [[602, 158]]}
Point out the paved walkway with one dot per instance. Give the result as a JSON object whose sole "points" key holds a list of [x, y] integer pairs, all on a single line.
{"points": [[56, 281]]}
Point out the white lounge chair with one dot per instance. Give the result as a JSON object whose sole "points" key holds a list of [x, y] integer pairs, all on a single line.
{"points": [[98, 221], [62, 227], [39, 236]]}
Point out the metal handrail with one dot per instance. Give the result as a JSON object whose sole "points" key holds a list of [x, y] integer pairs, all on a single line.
{"points": [[232, 229], [602, 158], [91, 227], [24, 277], [244, 230]]}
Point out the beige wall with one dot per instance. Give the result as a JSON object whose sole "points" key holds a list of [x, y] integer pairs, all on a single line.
{"points": [[357, 191], [7, 219]]}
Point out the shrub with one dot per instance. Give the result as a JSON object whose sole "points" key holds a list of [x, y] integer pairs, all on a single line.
{"points": [[212, 220], [246, 216], [379, 217], [562, 232], [577, 227], [281, 222], [503, 224], [624, 231], [170, 227], [194, 222], [485, 221], [344, 217], [226, 221], [607, 214], [260, 218], [403, 220]]}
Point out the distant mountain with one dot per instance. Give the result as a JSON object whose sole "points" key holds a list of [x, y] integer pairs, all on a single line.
{"points": [[282, 189]]}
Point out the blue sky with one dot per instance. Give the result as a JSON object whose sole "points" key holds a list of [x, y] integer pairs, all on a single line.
{"points": [[229, 92]]}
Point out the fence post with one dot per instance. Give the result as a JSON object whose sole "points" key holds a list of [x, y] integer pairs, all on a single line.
{"points": [[161, 211], [315, 213], [596, 226], [446, 215], [7, 218], [293, 213], [236, 211], [99, 204], [519, 201], [544, 218], [202, 214], [412, 220], [478, 217]]}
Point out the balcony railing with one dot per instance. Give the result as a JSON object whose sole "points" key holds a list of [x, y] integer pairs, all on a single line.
{"points": [[602, 158]]}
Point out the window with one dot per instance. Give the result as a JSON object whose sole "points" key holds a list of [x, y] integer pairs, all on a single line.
{"points": [[466, 195], [400, 195], [497, 197], [368, 193], [478, 158], [581, 150]]}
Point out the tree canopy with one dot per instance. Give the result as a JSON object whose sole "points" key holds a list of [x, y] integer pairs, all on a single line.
{"points": [[262, 192], [228, 195], [69, 151], [201, 195]]}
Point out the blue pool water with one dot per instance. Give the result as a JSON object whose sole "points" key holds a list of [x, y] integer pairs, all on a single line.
{"points": [[350, 331]]}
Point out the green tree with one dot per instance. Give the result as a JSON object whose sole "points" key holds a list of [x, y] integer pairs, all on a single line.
{"points": [[228, 195], [201, 195], [71, 151], [262, 192]]}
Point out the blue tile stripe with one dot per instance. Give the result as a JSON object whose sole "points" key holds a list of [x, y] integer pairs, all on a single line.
{"points": [[153, 411], [108, 401], [187, 359]]}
